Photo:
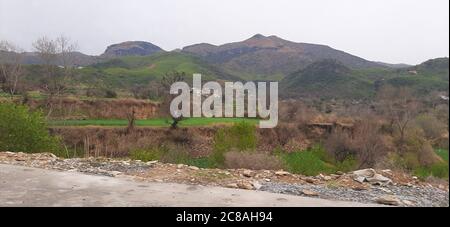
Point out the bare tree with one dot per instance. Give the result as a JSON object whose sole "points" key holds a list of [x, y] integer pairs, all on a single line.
{"points": [[166, 83], [56, 56], [400, 106], [11, 67]]}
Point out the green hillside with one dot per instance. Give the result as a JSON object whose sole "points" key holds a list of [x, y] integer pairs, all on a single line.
{"points": [[331, 79], [126, 71]]}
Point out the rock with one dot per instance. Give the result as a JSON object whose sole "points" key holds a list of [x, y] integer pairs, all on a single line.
{"points": [[360, 179], [309, 192], [248, 173], [408, 203], [387, 171], [379, 179], [364, 173], [194, 168], [257, 185], [282, 173], [267, 180], [310, 180], [340, 173], [151, 162], [371, 176], [389, 200], [245, 185], [180, 166], [415, 178]]}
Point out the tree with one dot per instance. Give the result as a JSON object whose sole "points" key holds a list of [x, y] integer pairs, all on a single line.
{"points": [[10, 67], [166, 82], [57, 58], [400, 106]]}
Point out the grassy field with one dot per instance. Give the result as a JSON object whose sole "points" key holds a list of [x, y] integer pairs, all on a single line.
{"points": [[161, 122]]}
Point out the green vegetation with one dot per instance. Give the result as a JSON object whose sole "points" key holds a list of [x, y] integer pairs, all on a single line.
{"points": [[443, 154], [24, 131], [315, 161], [440, 170], [410, 161], [159, 122], [241, 137], [127, 71]]}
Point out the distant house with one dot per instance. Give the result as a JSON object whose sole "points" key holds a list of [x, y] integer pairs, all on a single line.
{"points": [[413, 72]]}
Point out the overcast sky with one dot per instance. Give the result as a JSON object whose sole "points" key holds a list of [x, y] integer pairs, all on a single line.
{"points": [[394, 31]]}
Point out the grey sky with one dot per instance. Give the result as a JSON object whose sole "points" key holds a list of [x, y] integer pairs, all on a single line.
{"points": [[409, 31]]}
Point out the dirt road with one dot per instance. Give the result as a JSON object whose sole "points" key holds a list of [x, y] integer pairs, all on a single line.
{"points": [[24, 186]]}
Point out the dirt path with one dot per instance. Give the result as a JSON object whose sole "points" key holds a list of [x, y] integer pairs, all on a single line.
{"points": [[25, 186]]}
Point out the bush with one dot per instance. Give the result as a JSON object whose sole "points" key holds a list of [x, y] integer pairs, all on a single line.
{"points": [[241, 136], [309, 162], [439, 170], [24, 131]]}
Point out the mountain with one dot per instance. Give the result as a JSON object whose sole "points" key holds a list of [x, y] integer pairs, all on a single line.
{"points": [[32, 58], [131, 48], [128, 71], [262, 57], [326, 79]]}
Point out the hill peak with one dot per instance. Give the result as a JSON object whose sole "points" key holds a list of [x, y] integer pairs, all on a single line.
{"points": [[131, 48]]}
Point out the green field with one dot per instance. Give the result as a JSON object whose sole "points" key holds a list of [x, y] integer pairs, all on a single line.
{"points": [[161, 122]]}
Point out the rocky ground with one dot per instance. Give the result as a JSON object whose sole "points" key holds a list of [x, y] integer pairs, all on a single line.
{"points": [[366, 186]]}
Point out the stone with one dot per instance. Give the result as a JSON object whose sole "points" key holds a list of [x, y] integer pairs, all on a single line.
{"points": [[245, 185], [257, 185], [378, 179], [151, 162], [364, 173], [282, 173], [340, 173], [371, 176], [310, 180], [309, 192], [408, 203], [389, 200], [179, 166], [360, 179], [248, 173], [194, 168]]}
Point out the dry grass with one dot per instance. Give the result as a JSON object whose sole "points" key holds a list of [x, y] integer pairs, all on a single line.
{"points": [[255, 161]]}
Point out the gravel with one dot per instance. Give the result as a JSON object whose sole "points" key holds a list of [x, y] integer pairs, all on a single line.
{"points": [[410, 196]]}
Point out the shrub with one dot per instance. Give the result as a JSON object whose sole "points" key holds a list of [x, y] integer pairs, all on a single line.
{"points": [[241, 136], [309, 162], [439, 170], [146, 155], [24, 131], [242, 160]]}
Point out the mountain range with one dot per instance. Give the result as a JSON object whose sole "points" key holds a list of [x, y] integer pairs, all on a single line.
{"points": [[259, 57], [303, 70]]}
